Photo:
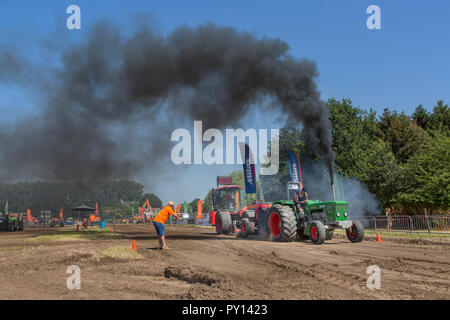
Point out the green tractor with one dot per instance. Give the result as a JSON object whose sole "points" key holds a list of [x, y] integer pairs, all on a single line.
{"points": [[284, 222], [11, 222]]}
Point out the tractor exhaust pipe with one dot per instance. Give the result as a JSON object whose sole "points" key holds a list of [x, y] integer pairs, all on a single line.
{"points": [[334, 193]]}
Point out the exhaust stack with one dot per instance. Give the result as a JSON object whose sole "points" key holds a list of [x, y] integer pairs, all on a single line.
{"points": [[334, 193]]}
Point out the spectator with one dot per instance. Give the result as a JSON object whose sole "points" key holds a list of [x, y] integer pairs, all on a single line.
{"points": [[159, 222], [388, 213]]}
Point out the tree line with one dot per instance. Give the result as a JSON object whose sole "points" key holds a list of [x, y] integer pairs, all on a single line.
{"points": [[116, 195]]}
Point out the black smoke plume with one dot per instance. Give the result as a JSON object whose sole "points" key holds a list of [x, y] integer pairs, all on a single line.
{"points": [[102, 86]]}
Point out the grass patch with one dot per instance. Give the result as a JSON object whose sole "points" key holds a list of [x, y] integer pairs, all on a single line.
{"points": [[403, 234], [72, 235], [122, 252]]}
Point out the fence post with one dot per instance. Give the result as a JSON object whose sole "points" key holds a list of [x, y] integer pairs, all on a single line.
{"points": [[426, 218], [374, 223], [411, 223]]}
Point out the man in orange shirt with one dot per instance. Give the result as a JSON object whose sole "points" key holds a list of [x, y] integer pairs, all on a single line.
{"points": [[159, 221]]}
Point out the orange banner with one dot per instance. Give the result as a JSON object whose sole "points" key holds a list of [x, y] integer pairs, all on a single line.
{"points": [[199, 209], [178, 208], [61, 213]]}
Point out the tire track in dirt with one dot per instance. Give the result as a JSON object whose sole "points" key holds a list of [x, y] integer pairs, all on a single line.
{"points": [[316, 275], [203, 265]]}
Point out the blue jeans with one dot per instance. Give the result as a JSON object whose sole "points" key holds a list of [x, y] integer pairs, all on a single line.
{"points": [[159, 228]]}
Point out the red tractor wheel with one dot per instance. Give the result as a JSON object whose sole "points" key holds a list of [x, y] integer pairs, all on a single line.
{"points": [[356, 232], [275, 224], [317, 232], [282, 223], [247, 227]]}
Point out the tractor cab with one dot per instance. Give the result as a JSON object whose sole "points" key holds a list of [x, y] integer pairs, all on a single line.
{"points": [[226, 198]]}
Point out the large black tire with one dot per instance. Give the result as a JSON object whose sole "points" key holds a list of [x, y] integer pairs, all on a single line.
{"points": [[263, 230], [282, 223], [317, 232], [223, 222], [356, 232], [247, 228]]}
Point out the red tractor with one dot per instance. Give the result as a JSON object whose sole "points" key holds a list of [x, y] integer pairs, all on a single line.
{"points": [[225, 201], [228, 217]]}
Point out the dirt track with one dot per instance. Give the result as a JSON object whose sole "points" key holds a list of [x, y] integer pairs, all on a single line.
{"points": [[203, 265]]}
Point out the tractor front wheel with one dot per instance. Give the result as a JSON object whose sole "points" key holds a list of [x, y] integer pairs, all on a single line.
{"points": [[282, 223], [223, 222], [247, 227], [356, 232], [317, 232]]}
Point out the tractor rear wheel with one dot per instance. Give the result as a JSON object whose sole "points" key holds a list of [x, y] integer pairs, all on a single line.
{"points": [[247, 227], [282, 223], [223, 222], [317, 232], [356, 232]]}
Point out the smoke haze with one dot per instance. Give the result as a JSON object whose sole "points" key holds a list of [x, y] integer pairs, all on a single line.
{"points": [[108, 87]]}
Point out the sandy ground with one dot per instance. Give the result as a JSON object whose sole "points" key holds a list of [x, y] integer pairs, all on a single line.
{"points": [[203, 265]]}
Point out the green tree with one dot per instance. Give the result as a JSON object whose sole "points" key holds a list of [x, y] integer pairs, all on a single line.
{"points": [[404, 136], [440, 117], [154, 200], [430, 176]]}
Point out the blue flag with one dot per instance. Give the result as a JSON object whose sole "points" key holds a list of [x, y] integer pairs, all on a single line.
{"points": [[249, 168], [294, 166]]}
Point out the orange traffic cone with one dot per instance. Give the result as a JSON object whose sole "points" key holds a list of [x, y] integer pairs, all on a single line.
{"points": [[378, 238], [133, 247]]}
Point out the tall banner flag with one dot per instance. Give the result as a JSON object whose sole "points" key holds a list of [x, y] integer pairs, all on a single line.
{"points": [[249, 168], [178, 208], [294, 166], [61, 212], [199, 209]]}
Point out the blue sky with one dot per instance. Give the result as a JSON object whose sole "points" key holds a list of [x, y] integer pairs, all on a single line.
{"points": [[404, 64]]}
